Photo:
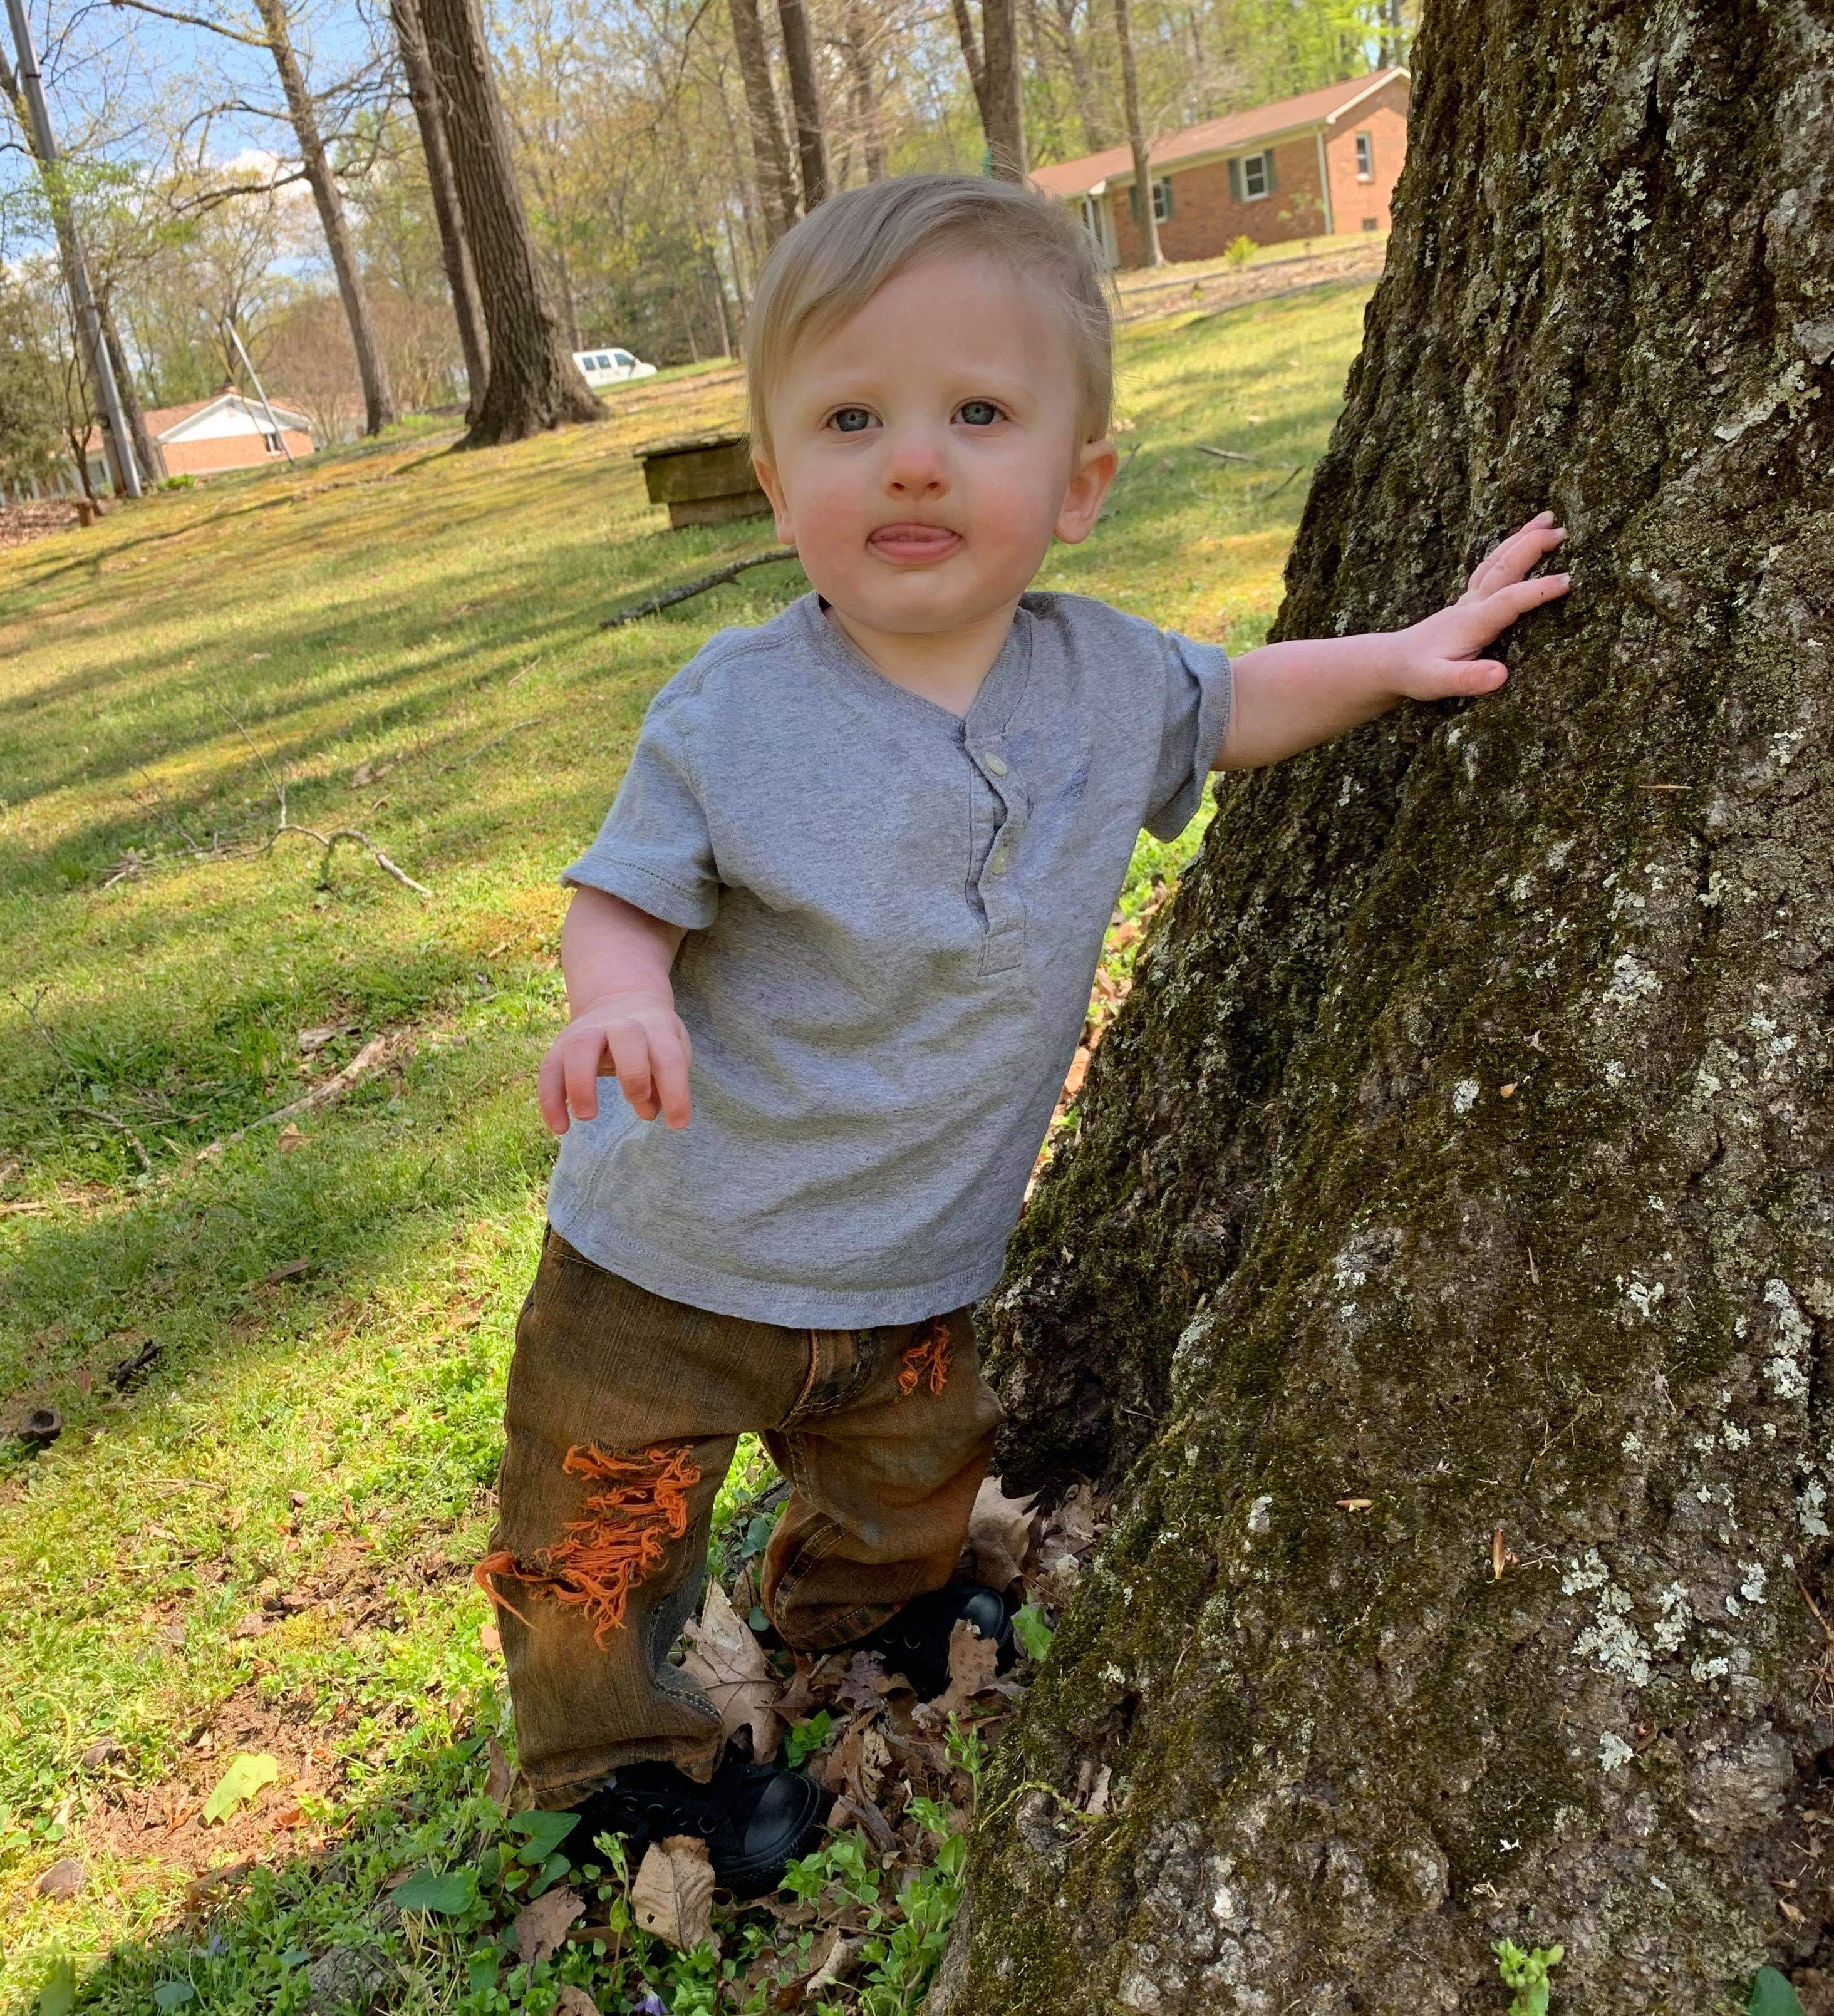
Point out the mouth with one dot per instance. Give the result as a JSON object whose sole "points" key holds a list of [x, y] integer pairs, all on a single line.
{"points": [[916, 543]]}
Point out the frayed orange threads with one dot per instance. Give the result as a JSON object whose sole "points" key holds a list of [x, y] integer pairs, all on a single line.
{"points": [[602, 1558], [926, 1361]]}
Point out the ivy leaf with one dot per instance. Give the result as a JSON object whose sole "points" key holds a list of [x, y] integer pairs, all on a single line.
{"points": [[543, 1832], [58, 1997], [1772, 1995], [1031, 1631], [174, 1994], [240, 1784], [447, 1893]]}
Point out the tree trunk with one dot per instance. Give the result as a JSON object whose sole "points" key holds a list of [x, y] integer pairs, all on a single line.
{"points": [[146, 453], [534, 383], [770, 155], [812, 150], [1003, 114], [456, 254], [866, 97], [1441, 1273], [379, 407], [1145, 224], [1082, 79]]}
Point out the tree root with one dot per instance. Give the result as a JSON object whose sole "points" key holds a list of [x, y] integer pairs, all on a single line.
{"points": [[669, 596]]}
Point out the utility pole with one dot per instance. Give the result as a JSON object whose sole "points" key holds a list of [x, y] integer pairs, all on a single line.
{"points": [[76, 269], [254, 378]]}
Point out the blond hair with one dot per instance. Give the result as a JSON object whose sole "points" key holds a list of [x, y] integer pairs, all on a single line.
{"points": [[842, 252]]}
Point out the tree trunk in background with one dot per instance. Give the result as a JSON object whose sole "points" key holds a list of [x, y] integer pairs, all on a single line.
{"points": [[1081, 80], [128, 393], [1454, 1194], [866, 97], [992, 61], [812, 149], [1144, 222], [429, 115], [534, 383], [379, 407], [770, 155]]}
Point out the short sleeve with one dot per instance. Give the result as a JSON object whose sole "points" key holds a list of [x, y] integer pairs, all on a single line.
{"points": [[655, 849], [1195, 721]]}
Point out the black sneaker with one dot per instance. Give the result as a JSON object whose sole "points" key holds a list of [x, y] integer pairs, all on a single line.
{"points": [[914, 1641], [754, 1818]]}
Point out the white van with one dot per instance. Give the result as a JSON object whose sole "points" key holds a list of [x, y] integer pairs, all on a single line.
{"points": [[610, 367]]}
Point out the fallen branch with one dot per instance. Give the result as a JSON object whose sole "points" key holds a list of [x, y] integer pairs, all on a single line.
{"points": [[375, 1056], [670, 596], [329, 841]]}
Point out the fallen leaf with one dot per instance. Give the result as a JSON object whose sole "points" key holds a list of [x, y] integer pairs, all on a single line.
{"points": [[868, 1816], [63, 1879], [98, 1753], [1355, 1504], [1506, 1091], [290, 1138], [1098, 1796], [843, 1962], [863, 1686], [541, 1928], [974, 1665], [673, 1894], [316, 1039], [239, 1785], [490, 1638], [729, 1663], [573, 2001], [498, 1779], [286, 1273], [1498, 1555], [999, 1534], [293, 1816]]}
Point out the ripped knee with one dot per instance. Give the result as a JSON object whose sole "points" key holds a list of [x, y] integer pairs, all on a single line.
{"points": [[623, 1537]]}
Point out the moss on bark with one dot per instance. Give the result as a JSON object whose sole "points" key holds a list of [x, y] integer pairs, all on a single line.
{"points": [[1306, 1249]]}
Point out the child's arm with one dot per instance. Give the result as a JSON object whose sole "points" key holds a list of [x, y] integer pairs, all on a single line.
{"points": [[616, 958], [1291, 697]]}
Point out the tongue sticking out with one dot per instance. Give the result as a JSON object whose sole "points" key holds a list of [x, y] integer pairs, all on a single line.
{"points": [[914, 542]]}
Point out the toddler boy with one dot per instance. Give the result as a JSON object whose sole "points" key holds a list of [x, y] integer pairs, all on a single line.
{"points": [[837, 933]]}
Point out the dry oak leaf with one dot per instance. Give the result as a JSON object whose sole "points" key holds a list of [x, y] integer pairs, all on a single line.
{"points": [[499, 1778], [541, 1928], [673, 1894], [863, 1686], [729, 1663], [974, 1668], [999, 1534], [573, 2001]]}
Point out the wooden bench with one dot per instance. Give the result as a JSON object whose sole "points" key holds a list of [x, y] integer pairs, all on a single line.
{"points": [[703, 479]]}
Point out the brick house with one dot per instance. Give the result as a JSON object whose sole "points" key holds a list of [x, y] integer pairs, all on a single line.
{"points": [[1309, 167], [224, 431]]}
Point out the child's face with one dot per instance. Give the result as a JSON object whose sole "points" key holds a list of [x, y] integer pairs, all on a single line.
{"points": [[926, 453]]}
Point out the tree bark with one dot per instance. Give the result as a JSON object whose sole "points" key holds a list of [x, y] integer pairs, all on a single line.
{"points": [[1082, 79], [770, 155], [866, 98], [1145, 224], [455, 253], [534, 384], [146, 453], [992, 61], [379, 407], [811, 148], [1440, 1275]]}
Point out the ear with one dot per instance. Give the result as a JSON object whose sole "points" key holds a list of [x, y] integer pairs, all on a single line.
{"points": [[1096, 464], [773, 486]]}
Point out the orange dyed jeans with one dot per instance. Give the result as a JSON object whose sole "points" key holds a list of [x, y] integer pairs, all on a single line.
{"points": [[623, 1414]]}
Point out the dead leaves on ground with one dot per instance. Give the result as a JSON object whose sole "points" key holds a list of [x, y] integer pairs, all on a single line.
{"points": [[540, 1929], [672, 1898], [730, 1663]]}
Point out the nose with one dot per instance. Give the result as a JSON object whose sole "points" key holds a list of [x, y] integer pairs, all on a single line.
{"points": [[914, 466]]}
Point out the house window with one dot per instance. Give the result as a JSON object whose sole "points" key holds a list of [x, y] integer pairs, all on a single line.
{"points": [[1257, 177], [1162, 202], [1371, 223], [1365, 157], [271, 442]]}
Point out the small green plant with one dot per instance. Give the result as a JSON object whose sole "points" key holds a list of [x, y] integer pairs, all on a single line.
{"points": [[1031, 1631], [1772, 1995], [1241, 251], [179, 482], [1527, 1974], [805, 1738]]}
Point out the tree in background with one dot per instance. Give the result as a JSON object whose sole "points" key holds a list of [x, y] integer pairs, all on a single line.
{"points": [[991, 57], [770, 156], [31, 432], [812, 144], [1145, 221], [534, 383], [1439, 1275]]}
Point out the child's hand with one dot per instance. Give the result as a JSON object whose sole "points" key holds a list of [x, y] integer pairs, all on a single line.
{"points": [[638, 1038], [1437, 659]]}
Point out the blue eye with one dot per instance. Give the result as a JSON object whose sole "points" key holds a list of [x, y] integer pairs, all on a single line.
{"points": [[978, 412], [850, 420]]}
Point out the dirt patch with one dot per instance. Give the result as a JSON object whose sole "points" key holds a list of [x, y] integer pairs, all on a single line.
{"points": [[352, 1591], [21, 524], [1253, 284]]}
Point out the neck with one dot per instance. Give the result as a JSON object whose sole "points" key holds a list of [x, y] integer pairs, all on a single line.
{"points": [[946, 667]]}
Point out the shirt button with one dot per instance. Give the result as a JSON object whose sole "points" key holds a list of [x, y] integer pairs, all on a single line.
{"points": [[996, 764]]}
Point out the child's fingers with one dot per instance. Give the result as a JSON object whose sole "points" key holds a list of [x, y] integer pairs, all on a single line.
{"points": [[668, 1059], [581, 1050], [1512, 559], [550, 1091], [630, 1057], [1492, 615]]}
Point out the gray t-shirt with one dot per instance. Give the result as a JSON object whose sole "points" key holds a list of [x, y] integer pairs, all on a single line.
{"points": [[893, 918]]}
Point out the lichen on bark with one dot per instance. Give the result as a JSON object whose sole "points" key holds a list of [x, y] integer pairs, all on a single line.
{"points": [[1307, 1248]]}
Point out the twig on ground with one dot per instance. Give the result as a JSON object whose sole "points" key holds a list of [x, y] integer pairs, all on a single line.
{"points": [[120, 1126], [375, 1055], [328, 841], [459, 763], [670, 596], [1225, 453]]}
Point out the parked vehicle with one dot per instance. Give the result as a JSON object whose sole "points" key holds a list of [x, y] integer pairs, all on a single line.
{"points": [[611, 367]]}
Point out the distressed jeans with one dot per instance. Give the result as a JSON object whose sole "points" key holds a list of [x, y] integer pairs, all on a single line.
{"points": [[624, 1412]]}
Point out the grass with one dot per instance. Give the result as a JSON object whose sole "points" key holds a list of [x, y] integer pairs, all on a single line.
{"points": [[261, 1543]]}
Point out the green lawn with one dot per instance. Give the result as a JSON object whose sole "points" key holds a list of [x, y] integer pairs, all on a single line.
{"points": [[261, 1546]]}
